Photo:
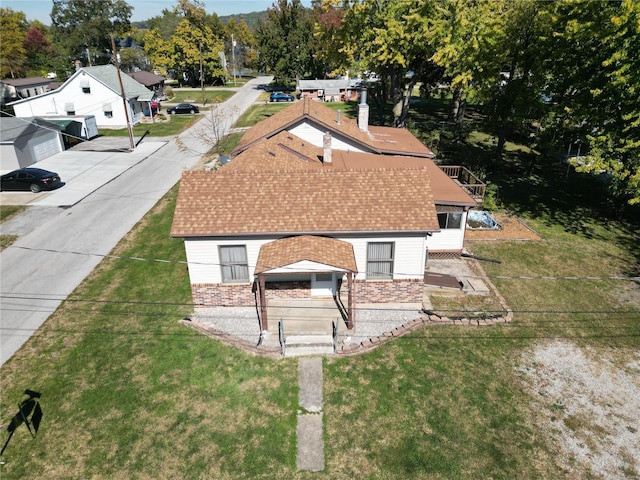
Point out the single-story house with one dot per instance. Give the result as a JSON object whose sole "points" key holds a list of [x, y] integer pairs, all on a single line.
{"points": [[331, 90], [15, 88], [25, 141], [353, 218], [152, 81], [92, 91]]}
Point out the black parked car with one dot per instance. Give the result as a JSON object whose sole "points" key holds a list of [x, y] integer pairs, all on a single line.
{"points": [[183, 108], [34, 179]]}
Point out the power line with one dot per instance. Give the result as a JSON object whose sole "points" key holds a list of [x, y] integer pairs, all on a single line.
{"points": [[185, 262]]}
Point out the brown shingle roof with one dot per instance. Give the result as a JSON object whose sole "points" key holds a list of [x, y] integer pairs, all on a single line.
{"points": [[283, 151], [286, 151], [147, 79], [322, 201], [287, 251], [381, 140]]}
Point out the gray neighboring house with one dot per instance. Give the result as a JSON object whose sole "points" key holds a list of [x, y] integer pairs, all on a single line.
{"points": [[92, 91], [151, 81], [16, 88], [331, 90], [25, 141]]}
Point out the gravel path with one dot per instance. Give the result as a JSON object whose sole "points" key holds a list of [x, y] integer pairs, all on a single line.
{"points": [[589, 404]]}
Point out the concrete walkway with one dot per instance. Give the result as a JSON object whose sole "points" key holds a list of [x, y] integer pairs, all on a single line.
{"points": [[310, 418]]}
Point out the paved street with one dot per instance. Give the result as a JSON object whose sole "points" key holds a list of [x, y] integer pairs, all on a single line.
{"points": [[65, 232]]}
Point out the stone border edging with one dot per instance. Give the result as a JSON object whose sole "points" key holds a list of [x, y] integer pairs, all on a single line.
{"points": [[233, 341], [430, 319]]}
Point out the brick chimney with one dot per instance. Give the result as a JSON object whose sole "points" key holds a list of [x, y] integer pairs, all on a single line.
{"points": [[326, 143]]}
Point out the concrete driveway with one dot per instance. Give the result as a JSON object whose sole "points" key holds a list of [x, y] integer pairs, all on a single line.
{"points": [[82, 173], [65, 233]]}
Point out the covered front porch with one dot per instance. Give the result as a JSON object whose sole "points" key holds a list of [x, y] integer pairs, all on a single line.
{"points": [[298, 291]]}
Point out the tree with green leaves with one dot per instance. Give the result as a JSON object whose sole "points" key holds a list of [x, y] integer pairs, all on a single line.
{"points": [[84, 28], [593, 85], [286, 43], [12, 50], [165, 24], [514, 101], [193, 52]]}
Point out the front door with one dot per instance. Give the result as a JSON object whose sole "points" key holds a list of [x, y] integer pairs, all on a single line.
{"points": [[322, 284]]}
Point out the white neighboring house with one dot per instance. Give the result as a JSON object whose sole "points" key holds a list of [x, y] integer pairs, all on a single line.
{"points": [[92, 91]]}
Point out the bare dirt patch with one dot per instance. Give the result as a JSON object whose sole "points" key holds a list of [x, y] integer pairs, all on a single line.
{"points": [[587, 403], [513, 228]]}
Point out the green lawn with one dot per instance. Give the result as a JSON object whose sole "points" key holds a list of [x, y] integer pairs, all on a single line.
{"points": [[165, 126], [195, 96], [128, 392], [6, 212]]}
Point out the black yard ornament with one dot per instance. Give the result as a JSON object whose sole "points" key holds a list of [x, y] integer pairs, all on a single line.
{"points": [[29, 413]]}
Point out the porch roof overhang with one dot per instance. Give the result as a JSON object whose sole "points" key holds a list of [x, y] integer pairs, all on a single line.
{"points": [[304, 254]]}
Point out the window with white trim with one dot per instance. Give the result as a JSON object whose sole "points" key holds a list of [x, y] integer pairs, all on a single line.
{"points": [[449, 217], [233, 263], [380, 260], [450, 220]]}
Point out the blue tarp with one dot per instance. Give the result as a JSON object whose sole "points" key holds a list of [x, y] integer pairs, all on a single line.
{"points": [[484, 217]]}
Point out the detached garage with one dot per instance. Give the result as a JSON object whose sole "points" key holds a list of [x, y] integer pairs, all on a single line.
{"points": [[25, 141]]}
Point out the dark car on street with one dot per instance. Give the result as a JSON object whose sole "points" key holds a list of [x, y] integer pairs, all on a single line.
{"points": [[183, 108], [34, 179], [280, 97]]}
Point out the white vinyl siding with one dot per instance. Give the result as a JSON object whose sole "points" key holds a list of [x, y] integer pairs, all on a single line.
{"points": [[315, 136], [449, 239], [204, 258], [204, 261]]}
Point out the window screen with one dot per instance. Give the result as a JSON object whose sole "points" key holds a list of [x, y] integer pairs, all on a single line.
{"points": [[380, 260], [233, 261]]}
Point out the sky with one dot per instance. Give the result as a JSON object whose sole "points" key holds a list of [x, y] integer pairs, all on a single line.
{"points": [[144, 9]]}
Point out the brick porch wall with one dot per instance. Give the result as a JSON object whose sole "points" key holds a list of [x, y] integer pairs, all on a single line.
{"points": [[397, 291], [217, 295], [229, 295]]}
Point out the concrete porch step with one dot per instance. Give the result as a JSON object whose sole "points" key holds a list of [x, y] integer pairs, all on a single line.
{"points": [[301, 345]]}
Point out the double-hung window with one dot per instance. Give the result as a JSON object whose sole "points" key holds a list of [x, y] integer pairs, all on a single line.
{"points": [[233, 262], [380, 260]]}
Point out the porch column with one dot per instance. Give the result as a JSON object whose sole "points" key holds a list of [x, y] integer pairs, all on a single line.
{"points": [[350, 302], [263, 303]]}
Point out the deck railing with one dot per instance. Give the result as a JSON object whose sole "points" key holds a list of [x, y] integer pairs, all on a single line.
{"points": [[467, 180]]}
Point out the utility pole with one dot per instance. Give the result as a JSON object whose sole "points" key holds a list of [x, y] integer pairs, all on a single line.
{"points": [[233, 59], [122, 94], [201, 72]]}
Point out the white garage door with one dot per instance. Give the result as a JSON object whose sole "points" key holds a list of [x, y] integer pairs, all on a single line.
{"points": [[45, 148]]}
